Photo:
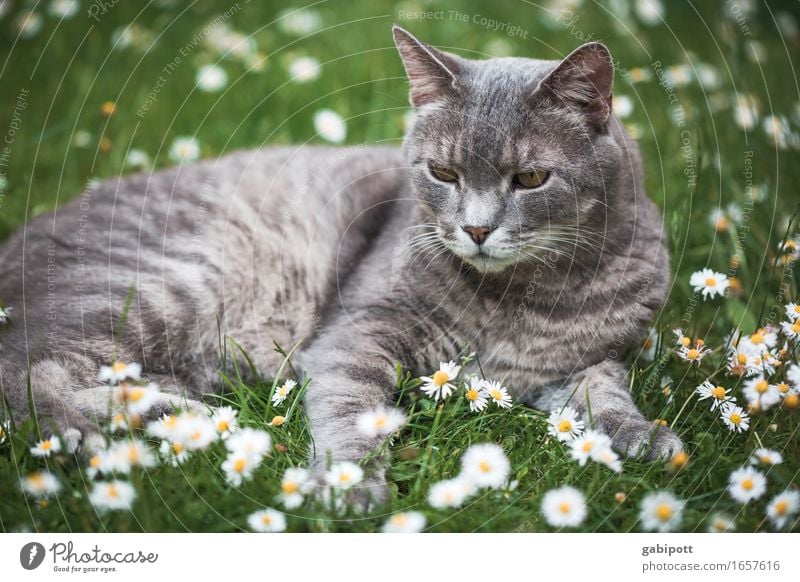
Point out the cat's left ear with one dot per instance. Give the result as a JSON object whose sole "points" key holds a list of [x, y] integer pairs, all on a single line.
{"points": [[433, 74], [582, 81]]}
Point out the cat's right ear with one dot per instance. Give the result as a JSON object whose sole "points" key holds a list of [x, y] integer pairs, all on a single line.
{"points": [[433, 74]]}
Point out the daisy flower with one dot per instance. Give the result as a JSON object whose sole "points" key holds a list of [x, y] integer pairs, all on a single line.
{"points": [[249, 441], [721, 523], [45, 447], [449, 493], [742, 362], [476, 394], [224, 420], [184, 149], [694, 354], [267, 521], [381, 421], [304, 69], [344, 475], [300, 22], [174, 451], [666, 388], [112, 495], [759, 391], [588, 445], [793, 311], [782, 507], [609, 458], [793, 374], [282, 392], [119, 371], [682, 340], [295, 483], [119, 423], [486, 465], [405, 522], [709, 283], [196, 432], [766, 457], [791, 329], [661, 511], [718, 394], [239, 467], [330, 126], [649, 345], [164, 427], [122, 455], [759, 342], [734, 417], [564, 507], [498, 394], [564, 424], [439, 385], [211, 78], [40, 485], [746, 484], [137, 159], [137, 400], [64, 8], [277, 420]]}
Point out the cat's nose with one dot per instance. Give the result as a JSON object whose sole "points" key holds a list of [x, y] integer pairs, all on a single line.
{"points": [[478, 233]]}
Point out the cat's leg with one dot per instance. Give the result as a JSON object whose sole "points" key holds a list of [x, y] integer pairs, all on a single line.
{"points": [[601, 391]]}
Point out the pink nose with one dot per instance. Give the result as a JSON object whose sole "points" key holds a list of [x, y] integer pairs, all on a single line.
{"points": [[478, 233]]}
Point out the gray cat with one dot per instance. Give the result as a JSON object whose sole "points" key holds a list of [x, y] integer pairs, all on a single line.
{"points": [[515, 223]]}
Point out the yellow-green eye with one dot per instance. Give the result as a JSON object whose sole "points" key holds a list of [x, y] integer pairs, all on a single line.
{"points": [[531, 179], [443, 174]]}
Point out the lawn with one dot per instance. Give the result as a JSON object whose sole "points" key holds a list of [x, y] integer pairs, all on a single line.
{"points": [[95, 90]]}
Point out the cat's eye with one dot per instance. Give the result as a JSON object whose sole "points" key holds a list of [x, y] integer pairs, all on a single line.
{"points": [[443, 174], [532, 179]]}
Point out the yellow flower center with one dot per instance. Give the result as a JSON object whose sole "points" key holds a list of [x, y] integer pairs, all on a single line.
{"points": [[472, 394], [135, 395], [170, 421], [36, 481], [564, 426], [747, 484], [112, 491], [685, 341], [564, 507], [177, 447], [380, 422], [718, 393], [761, 386], [791, 401], [647, 344], [239, 465], [741, 358], [782, 507], [587, 446], [440, 378], [278, 420], [663, 512], [94, 462], [797, 309], [47, 445], [693, 354], [711, 282], [196, 435], [680, 459], [496, 394], [344, 478], [133, 455], [484, 467], [118, 367], [796, 326], [736, 418], [282, 392], [766, 459], [783, 387], [223, 425], [757, 338], [266, 520], [399, 520], [290, 487]]}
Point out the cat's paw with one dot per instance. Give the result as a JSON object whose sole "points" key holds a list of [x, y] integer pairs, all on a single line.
{"points": [[637, 438], [369, 493]]}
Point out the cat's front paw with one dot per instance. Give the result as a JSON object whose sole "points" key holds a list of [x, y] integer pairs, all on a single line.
{"points": [[635, 438], [369, 492]]}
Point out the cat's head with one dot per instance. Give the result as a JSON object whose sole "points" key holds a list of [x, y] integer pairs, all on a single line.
{"points": [[511, 158]]}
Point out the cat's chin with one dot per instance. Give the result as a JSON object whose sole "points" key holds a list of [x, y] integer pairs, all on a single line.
{"points": [[488, 264]]}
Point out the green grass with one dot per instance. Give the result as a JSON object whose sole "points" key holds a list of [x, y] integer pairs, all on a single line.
{"points": [[69, 71]]}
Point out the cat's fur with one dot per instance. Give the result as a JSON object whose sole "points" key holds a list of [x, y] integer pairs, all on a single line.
{"points": [[360, 252]]}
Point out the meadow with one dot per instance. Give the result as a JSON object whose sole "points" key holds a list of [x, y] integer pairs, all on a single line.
{"points": [[97, 90]]}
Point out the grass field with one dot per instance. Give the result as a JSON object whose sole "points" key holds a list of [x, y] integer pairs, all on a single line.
{"points": [[709, 90]]}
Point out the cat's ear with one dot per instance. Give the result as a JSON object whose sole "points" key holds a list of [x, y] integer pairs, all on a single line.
{"points": [[583, 80], [433, 74]]}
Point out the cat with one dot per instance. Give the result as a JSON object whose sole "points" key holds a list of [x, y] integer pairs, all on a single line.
{"points": [[512, 223]]}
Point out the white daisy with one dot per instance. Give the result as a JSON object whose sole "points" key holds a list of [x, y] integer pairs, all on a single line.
{"points": [[173, 451], [282, 392], [249, 441], [300, 22], [649, 345], [744, 362], [622, 106], [381, 421], [295, 483], [759, 391], [119, 371], [783, 507], [791, 329], [405, 522], [564, 507], [793, 374], [759, 342], [330, 126], [40, 485], [565, 424], [46, 447], [746, 484], [211, 78], [29, 23], [184, 149], [721, 523], [122, 455], [498, 394], [661, 511], [588, 445], [609, 458], [486, 465], [666, 388], [119, 423], [165, 427], [734, 417], [64, 8], [709, 283], [766, 457], [681, 340], [239, 467], [224, 419], [136, 399], [476, 395], [267, 521], [449, 493], [439, 385], [650, 12], [344, 475], [693, 354], [304, 69], [793, 311], [113, 495], [718, 394]]}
